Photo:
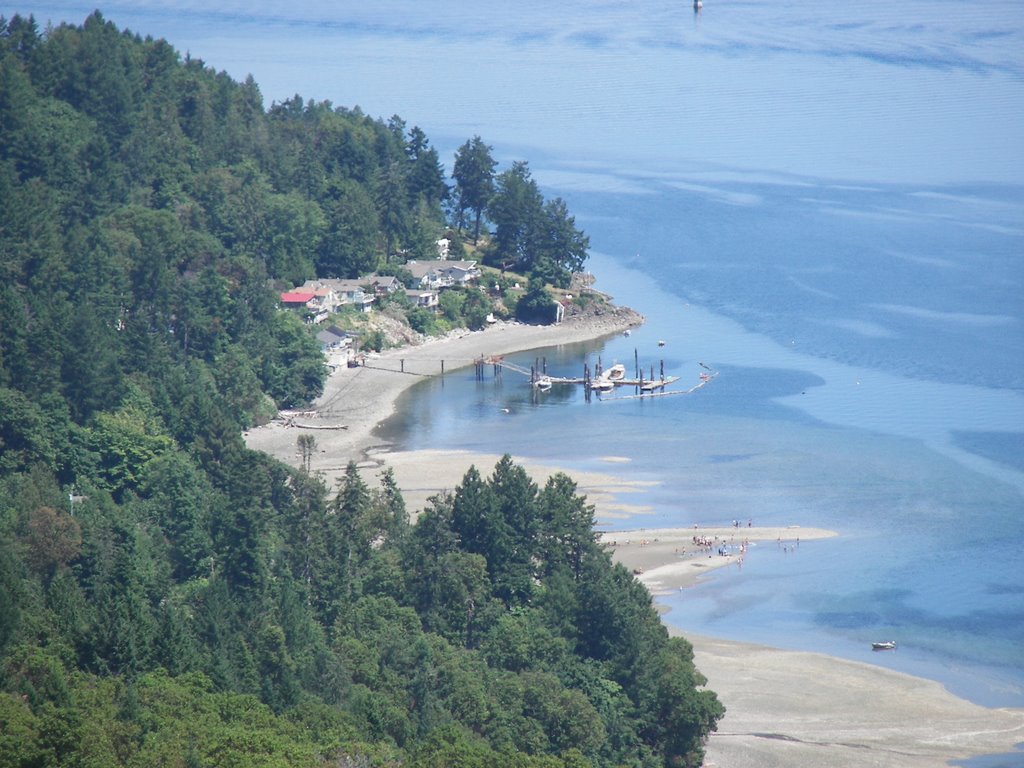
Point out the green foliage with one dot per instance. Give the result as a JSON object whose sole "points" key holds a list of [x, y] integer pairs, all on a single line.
{"points": [[536, 305], [474, 182], [533, 236], [168, 597]]}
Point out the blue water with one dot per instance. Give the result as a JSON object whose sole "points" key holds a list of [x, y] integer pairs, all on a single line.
{"points": [[823, 200]]}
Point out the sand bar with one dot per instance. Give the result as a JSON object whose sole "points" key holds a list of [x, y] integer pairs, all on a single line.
{"points": [[668, 559], [805, 710], [784, 708]]}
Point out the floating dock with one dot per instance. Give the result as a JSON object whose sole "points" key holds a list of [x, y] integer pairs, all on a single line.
{"points": [[600, 382]]}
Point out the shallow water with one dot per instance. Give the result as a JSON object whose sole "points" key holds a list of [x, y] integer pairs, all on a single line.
{"points": [[822, 200], [929, 552]]}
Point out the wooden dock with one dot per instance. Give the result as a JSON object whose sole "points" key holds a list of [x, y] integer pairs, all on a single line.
{"points": [[599, 383]]}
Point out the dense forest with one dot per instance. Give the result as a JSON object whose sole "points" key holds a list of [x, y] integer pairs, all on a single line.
{"points": [[169, 597]]}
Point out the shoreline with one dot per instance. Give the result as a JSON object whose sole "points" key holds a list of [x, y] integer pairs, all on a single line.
{"points": [[355, 401], [784, 708], [666, 560]]}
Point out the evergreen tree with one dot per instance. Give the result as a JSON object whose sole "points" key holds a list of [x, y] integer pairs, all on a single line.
{"points": [[473, 173], [168, 596]]}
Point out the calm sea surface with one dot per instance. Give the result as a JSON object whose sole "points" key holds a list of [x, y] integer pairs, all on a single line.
{"points": [[822, 200]]}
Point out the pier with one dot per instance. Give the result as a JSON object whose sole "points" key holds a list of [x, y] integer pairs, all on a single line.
{"points": [[600, 381]]}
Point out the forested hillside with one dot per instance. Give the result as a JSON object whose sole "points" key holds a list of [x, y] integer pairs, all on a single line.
{"points": [[168, 597]]}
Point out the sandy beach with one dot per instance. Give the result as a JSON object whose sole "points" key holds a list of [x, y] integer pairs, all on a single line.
{"points": [[784, 708], [357, 400], [668, 559]]}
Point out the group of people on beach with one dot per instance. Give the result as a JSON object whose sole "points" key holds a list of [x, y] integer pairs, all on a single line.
{"points": [[707, 543]]}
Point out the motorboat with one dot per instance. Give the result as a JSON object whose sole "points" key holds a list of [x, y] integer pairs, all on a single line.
{"points": [[886, 645], [543, 384], [602, 385], [616, 373]]}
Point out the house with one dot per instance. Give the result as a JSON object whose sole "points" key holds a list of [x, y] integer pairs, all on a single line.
{"points": [[383, 284], [353, 292], [307, 302], [425, 299], [442, 273], [297, 299], [333, 338], [332, 294]]}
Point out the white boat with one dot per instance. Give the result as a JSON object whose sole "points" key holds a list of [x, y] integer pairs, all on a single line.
{"points": [[616, 373], [607, 380], [886, 645], [543, 384]]}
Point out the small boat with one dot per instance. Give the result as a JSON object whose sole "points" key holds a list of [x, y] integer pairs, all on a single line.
{"points": [[887, 645], [661, 342], [607, 380], [616, 373], [543, 384]]}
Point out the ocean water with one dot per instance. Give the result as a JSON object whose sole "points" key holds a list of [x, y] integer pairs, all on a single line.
{"points": [[822, 200]]}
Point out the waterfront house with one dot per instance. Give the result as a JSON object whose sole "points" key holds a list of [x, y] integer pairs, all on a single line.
{"points": [[442, 273]]}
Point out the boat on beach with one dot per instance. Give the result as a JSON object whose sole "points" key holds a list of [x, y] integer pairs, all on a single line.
{"points": [[885, 645]]}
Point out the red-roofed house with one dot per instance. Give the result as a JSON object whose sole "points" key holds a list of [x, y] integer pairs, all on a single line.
{"points": [[297, 298]]}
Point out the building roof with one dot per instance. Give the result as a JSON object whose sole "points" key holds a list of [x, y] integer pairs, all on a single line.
{"points": [[296, 297], [332, 335], [420, 268]]}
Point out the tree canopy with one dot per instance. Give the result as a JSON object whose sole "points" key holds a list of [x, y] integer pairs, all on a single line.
{"points": [[532, 235], [169, 597]]}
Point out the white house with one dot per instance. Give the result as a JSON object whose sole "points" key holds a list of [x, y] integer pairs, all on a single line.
{"points": [[443, 273], [334, 293], [426, 299]]}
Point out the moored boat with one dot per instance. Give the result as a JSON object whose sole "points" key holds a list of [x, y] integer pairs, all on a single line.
{"points": [[616, 373]]}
